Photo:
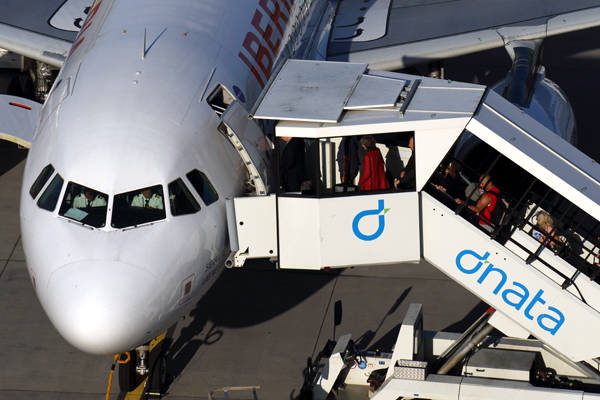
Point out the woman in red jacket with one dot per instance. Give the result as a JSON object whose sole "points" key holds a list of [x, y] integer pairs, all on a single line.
{"points": [[373, 173]]}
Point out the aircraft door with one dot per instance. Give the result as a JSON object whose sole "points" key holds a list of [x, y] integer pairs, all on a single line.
{"points": [[252, 144]]}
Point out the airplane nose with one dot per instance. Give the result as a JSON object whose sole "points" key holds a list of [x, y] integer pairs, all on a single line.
{"points": [[102, 307]]}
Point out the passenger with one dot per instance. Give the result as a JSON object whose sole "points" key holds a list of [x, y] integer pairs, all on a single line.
{"points": [[88, 199], [407, 176], [373, 174], [544, 230], [486, 203], [148, 200], [347, 158], [447, 182], [293, 164]]}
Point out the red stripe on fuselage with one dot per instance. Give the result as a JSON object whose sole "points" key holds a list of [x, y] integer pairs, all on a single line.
{"points": [[258, 57]]}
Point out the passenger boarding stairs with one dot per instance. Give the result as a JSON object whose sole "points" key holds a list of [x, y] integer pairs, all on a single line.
{"points": [[523, 281]]}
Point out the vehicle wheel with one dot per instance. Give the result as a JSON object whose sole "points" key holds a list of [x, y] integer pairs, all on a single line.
{"points": [[158, 377], [127, 374]]}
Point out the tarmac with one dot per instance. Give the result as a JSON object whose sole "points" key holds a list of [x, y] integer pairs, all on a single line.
{"points": [[257, 326]]}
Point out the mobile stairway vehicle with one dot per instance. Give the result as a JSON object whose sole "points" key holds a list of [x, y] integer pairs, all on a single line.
{"points": [[540, 283]]}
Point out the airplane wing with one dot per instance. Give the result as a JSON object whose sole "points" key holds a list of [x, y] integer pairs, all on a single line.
{"points": [[395, 34], [41, 29], [19, 119]]}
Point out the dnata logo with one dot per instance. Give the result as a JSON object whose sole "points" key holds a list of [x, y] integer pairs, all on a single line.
{"points": [[378, 211], [517, 296]]}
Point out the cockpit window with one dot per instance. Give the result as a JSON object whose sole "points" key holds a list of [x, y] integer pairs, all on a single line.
{"points": [[182, 201], [49, 198], [203, 186], [41, 180], [138, 207], [84, 205]]}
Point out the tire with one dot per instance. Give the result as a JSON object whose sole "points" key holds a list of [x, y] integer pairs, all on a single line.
{"points": [[127, 375], [158, 376]]}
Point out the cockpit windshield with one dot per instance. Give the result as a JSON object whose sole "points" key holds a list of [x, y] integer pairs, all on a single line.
{"points": [[84, 205], [138, 207]]}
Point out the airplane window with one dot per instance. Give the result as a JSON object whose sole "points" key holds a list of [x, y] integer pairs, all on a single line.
{"points": [[182, 201], [49, 198], [138, 207], [41, 180], [203, 186], [84, 205]]}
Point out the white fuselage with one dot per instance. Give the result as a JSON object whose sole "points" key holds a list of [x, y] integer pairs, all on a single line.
{"points": [[117, 122]]}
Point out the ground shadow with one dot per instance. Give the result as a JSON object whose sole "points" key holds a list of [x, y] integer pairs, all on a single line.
{"points": [[12, 155], [240, 298], [470, 318], [387, 341]]}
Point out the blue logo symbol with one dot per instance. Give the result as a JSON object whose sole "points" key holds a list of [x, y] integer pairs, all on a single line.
{"points": [[362, 365], [239, 94], [366, 213]]}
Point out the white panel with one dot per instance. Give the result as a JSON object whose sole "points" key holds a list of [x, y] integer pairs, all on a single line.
{"points": [[449, 100], [430, 148], [373, 91], [310, 91], [500, 364], [299, 233], [507, 326], [350, 229], [256, 225], [439, 387], [404, 349], [372, 123], [18, 124], [497, 389], [451, 243]]}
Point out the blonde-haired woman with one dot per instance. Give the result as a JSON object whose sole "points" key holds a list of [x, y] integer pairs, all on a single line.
{"points": [[548, 234]]}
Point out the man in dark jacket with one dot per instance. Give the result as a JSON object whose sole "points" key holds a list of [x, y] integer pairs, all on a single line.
{"points": [[347, 158], [407, 176], [293, 165]]}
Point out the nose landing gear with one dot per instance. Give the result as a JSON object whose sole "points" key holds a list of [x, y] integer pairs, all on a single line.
{"points": [[146, 372]]}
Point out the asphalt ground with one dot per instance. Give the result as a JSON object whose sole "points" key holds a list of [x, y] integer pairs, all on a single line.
{"points": [[258, 325]]}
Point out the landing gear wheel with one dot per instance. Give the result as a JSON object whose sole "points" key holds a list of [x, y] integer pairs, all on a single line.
{"points": [[157, 383], [127, 374], [158, 376]]}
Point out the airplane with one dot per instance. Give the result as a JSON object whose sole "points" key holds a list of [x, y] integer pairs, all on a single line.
{"points": [[144, 132]]}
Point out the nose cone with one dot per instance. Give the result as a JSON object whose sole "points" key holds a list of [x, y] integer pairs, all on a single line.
{"points": [[103, 307]]}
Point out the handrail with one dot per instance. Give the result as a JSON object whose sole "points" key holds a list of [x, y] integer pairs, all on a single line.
{"points": [[532, 256]]}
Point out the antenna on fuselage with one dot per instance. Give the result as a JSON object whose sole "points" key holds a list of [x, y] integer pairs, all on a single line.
{"points": [[144, 49]]}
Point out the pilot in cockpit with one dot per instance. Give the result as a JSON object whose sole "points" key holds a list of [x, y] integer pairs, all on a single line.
{"points": [[148, 200], [89, 198]]}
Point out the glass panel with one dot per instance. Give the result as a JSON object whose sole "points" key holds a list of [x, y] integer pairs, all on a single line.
{"points": [[84, 205], [41, 180], [182, 201], [49, 198], [203, 186], [138, 207]]}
